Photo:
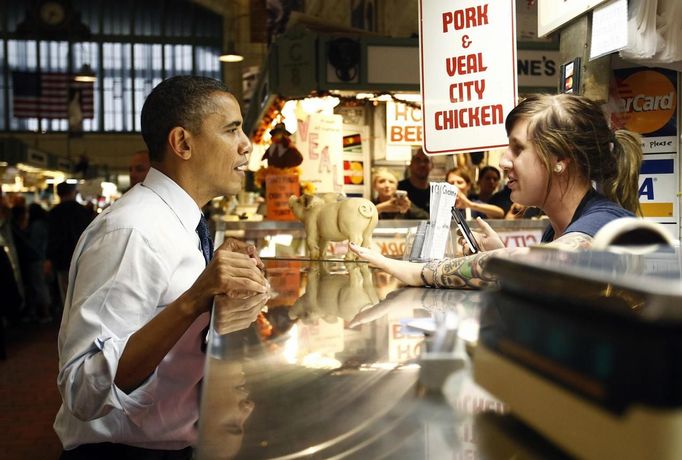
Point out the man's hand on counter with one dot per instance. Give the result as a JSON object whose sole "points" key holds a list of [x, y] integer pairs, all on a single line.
{"points": [[250, 250], [228, 271]]}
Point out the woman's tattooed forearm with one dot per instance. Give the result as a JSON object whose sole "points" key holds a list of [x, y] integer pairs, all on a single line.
{"points": [[470, 272], [464, 272]]}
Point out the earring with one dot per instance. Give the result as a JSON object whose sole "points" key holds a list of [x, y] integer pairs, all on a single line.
{"points": [[558, 168]]}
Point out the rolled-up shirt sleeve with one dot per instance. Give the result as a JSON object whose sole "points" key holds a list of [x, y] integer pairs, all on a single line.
{"points": [[116, 284]]}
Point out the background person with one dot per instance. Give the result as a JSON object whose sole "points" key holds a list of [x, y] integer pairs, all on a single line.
{"points": [[26, 254], [487, 184], [11, 289], [37, 289], [65, 224], [461, 179], [518, 211], [389, 205], [558, 145], [417, 182], [139, 167], [513, 211], [502, 199], [75, 111], [143, 280]]}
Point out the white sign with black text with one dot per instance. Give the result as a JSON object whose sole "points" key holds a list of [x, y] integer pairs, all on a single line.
{"points": [[443, 196]]}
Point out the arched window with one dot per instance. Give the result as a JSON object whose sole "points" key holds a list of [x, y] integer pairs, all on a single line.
{"points": [[129, 46]]}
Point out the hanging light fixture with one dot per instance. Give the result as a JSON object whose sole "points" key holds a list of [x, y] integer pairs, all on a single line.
{"points": [[85, 74], [231, 54]]}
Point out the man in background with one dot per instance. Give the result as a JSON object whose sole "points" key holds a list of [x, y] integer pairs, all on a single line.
{"points": [[417, 183], [65, 223], [139, 166]]}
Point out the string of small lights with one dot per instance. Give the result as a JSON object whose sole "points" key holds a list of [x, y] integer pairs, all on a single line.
{"points": [[273, 114]]}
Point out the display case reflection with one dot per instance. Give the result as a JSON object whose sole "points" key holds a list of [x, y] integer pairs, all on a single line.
{"points": [[332, 294], [446, 308], [226, 406], [342, 374], [225, 401], [307, 328], [237, 311]]}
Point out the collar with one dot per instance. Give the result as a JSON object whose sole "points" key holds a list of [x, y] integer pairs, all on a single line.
{"points": [[579, 210], [184, 207], [548, 235]]}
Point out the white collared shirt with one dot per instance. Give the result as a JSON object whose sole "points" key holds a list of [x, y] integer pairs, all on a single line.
{"points": [[136, 257]]}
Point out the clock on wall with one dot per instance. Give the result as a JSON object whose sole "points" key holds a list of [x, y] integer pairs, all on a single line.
{"points": [[52, 20], [52, 13]]}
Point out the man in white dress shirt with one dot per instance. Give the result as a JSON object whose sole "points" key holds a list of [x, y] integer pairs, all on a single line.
{"points": [[140, 288]]}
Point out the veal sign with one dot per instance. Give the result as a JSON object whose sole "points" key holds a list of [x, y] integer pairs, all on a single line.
{"points": [[468, 73]]}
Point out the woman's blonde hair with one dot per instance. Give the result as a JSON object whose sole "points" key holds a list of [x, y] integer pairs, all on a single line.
{"points": [[566, 126], [382, 172]]}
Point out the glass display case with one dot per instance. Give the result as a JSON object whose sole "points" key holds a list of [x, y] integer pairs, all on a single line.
{"points": [[286, 238], [344, 362], [341, 361]]}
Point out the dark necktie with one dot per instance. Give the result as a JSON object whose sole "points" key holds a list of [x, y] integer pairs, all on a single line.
{"points": [[207, 250], [205, 239]]}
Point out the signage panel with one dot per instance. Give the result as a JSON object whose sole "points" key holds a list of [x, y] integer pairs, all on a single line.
{"points": [[553, 14], [645, 101], [468, 73], [320, 140]]}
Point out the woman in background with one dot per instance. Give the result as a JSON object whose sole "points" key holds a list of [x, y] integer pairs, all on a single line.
{"points": [[392, 205], [461, 179], [558, 145]]}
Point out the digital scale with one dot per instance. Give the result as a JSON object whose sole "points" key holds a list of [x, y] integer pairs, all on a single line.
{"points": [[586, 347]]}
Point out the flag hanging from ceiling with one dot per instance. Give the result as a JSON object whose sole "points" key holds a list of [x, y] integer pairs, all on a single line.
{"points": [[50, 95]]}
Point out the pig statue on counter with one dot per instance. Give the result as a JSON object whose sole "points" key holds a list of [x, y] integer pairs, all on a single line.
{"points": [[333, 219]]}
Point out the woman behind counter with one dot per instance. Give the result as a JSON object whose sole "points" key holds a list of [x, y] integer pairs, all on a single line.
{"points": [[558, 145], [389, 204]]}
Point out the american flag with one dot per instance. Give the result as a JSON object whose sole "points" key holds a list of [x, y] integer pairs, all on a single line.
{"points": [[49, 94]]}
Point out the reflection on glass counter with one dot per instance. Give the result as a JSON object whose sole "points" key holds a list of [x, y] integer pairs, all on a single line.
{"points": [[332, 295], [340, 361], [343, 362], [286, 238]]}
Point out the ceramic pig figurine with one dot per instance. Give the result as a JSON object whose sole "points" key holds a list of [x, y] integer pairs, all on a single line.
{"points": [[330, 219]]}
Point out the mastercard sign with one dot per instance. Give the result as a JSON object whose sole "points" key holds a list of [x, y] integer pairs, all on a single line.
{"points": [[353, 173], [647, 102]]}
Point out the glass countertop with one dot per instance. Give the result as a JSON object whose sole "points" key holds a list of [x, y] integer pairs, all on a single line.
{"points": [[341, 361], [344, 362]]}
